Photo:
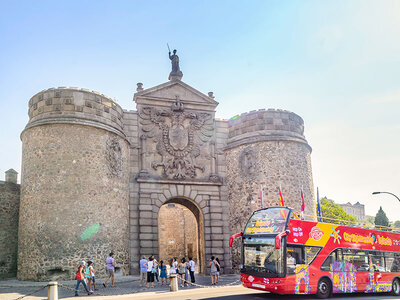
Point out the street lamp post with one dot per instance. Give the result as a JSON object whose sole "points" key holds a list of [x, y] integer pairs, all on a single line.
{"points": [[375, 193]]}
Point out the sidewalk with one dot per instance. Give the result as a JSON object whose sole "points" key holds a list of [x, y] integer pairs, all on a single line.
{"points": [[126, 285]]}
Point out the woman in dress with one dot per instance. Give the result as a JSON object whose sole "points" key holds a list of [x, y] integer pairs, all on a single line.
{"points": [[163, 273]]}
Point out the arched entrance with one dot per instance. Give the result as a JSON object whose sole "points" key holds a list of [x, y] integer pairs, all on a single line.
{"points": [[181, 231]]}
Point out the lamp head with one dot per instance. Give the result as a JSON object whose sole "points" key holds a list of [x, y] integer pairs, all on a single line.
{"points": [[375, 193]]}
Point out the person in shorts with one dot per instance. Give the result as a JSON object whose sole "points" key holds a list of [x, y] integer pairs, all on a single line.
{"points": [[110, 269], [214, 270], [150, 275], [92, 275], [143, 270]]}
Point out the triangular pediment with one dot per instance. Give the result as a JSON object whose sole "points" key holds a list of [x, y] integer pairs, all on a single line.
{"points": [[174, 90]]}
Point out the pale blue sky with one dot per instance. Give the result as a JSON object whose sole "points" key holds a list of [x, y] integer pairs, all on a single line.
{"points": [[335, 63]]}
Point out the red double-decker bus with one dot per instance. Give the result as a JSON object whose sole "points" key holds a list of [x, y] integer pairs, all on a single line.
{"points": [[284, 255]]}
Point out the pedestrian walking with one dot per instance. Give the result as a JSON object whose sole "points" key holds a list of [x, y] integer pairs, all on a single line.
{"points": [[92, 274], [88, 277], [174, 264], [110, 262], [187, 268], [163, 273], [143, 270], [218, 268], [150, 275], [214, 271], [80, 278], [155, 270], [192, 266], [181, 271]]}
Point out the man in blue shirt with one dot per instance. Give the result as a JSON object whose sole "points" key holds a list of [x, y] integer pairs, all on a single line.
{"points": [[143, 270]]}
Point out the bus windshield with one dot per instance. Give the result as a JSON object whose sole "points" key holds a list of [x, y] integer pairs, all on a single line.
{"points": [[267, 221], [260, 255]]}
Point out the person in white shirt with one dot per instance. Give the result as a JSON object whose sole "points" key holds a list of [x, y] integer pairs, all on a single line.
{"points": [[291, 263], [191, 267], [150, 272]]}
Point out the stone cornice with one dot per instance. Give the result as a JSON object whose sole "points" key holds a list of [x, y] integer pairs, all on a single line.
{"points": [[76, 121]]}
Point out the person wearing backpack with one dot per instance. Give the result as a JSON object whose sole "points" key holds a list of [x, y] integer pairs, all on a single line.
{"points": [[80, 278], [214, 270]]}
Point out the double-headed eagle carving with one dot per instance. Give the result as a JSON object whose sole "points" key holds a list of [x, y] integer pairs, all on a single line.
{"points": [[179, 138]]}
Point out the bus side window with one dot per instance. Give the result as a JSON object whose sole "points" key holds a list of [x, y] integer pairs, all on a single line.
{"points": [[311, 253], [347, 255], [389, 259], [329, 260], [392, 262], [377, 260]]}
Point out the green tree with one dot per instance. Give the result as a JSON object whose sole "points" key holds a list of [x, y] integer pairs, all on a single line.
{"points": [[371, 220], [396, 224], [381, 219], [334, 213]]}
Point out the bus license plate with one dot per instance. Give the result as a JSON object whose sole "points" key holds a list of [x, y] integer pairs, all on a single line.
{"points": [[258, 285]]}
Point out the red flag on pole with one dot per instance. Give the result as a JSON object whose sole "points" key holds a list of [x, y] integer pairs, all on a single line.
{"points": [[281, 198], [283, 213]]}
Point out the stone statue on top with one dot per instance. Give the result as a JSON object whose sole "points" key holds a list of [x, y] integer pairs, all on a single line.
{"points": [[176, 73]]}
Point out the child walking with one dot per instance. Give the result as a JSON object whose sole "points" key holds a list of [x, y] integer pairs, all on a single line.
{"points": [[88, 278], [91, 270]]}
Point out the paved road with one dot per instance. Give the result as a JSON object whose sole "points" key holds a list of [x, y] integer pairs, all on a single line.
{"points": [[130, 290], [225, 293]]}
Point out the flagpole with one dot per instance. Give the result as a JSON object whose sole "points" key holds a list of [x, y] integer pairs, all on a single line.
{"points": [[319, 210], [261, 196], [302, 203]]}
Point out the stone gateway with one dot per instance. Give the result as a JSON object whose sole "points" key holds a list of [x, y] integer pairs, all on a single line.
{"points": [[167, 179]]}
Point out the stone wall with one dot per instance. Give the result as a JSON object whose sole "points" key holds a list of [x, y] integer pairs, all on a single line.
{"points": [[94, 176], [266, 148], [74, 186], [9, 207]]}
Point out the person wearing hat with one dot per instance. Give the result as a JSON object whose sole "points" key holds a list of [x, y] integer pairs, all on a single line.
{"points": [[80, 278]]}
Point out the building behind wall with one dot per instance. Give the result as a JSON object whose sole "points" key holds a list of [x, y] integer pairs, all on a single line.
{"points": [[97, 178], [357, 210]]}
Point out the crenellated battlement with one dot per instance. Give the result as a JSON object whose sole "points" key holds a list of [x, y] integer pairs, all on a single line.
{"points": [[76, 106], [270, 124]]}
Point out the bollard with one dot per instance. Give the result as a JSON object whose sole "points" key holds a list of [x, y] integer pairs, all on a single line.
{"points": [[53, 291], [173, 287]]}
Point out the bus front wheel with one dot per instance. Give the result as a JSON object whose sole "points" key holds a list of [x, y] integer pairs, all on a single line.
{"points": [[396, 287], [324, 288]]}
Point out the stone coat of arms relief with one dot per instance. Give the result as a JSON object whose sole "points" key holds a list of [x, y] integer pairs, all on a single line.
{"points": [[179, 136]]}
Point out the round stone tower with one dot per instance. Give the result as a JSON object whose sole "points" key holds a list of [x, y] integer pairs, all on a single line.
{"points": [[266, 148], [74, 184]]}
